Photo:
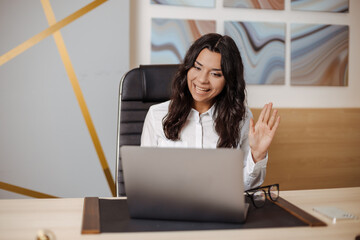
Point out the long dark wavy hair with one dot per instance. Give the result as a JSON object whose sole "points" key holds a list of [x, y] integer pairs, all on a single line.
{"points": [[230, 106]]}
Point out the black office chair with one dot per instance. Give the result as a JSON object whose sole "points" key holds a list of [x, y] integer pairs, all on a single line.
{"points": [[139, 89]]}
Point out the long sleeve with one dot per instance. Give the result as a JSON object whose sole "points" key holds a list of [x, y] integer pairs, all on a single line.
{"points": [[254, 173], [148, 138], [153, 134]]}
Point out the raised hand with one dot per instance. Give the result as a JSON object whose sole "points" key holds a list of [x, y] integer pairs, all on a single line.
{"points": [[262, 133]]}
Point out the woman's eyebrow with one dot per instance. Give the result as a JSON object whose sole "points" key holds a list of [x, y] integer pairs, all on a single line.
{"points": [[214, 69], [199, 63]]}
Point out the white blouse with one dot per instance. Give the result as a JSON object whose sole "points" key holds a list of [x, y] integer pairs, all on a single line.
{"points": [[199, 132]]}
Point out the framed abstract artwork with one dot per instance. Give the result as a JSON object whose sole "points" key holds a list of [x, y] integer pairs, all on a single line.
{"points": [[341, 6], [262, 48], [170, 38], [257, 4], [319, 55], [186, 3]]}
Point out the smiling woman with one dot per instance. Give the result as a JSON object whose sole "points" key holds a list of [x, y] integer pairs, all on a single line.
{"points": [[208, 108], [205, 80]]}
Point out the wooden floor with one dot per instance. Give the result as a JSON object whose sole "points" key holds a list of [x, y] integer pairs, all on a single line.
{"points": [[315, 148]]}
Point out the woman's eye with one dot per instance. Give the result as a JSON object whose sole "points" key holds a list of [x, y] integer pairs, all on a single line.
{"points": [[217, 74], [197, 68]]}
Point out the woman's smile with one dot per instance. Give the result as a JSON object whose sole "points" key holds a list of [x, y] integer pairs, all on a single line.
{"points": [[201, 90]]}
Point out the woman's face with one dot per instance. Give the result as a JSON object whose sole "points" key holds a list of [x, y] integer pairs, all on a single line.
{"points": [[205, 79]]}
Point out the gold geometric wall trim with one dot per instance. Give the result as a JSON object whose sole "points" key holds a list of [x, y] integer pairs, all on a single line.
{"points": [[54, 29], [24, 191], [47, 32], [78, 93]]}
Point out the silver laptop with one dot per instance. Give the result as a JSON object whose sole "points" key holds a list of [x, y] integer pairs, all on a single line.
{"points": [[184, 184]]}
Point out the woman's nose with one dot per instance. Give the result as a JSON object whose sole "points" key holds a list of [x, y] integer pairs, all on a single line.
{"points": [[203, 77]]}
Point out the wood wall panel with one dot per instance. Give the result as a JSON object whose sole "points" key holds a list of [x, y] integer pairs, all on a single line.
{"points": [[315, 148]]}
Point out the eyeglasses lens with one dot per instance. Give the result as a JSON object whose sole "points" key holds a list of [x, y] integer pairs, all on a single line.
{"points": [[259, 198], [274, 192]]}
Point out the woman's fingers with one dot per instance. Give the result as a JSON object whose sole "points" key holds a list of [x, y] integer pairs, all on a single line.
{"points": [[276, 124], [272, 119], [267, 116], [252, 127], [262, 114], [267, 112]]}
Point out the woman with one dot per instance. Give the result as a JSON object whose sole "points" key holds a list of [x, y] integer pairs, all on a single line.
{"points": [[208, 108]]}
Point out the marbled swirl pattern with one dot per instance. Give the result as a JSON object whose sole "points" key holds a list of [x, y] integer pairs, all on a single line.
{"points": [[186, 3], [258, 4], [262, 48], [319, 55], [170, 38], [321, 5]]}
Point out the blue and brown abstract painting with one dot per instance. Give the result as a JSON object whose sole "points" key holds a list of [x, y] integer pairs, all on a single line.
{"points": [[321, 5], [262, 48], [170, 38], [186, 3], [319, 55], [258, 4]]}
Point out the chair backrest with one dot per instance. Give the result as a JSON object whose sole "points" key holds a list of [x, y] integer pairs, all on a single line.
{"points": [[139, 89]]}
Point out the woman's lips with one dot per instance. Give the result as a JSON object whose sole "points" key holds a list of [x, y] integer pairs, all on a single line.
{"points": [[200, 89]]}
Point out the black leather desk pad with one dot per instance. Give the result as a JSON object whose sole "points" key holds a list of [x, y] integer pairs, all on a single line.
{"points": [[114, 217]]}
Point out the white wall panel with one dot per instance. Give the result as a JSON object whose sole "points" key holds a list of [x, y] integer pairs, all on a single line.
{"points": [[283, 96]]}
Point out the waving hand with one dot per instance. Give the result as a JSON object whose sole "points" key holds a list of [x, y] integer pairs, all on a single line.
{"points": [[262, 133]]}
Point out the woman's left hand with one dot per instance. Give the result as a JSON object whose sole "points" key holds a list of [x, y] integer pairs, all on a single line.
{"points": [[261, 135]]}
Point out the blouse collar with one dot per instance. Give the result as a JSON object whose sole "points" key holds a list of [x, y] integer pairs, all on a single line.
{"points": [[195, 114]]}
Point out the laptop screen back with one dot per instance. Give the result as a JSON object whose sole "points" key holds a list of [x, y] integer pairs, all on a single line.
{"points": [[184, 184]]}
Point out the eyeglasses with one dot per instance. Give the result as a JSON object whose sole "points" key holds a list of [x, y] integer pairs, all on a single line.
{"points": [[258, 195]]}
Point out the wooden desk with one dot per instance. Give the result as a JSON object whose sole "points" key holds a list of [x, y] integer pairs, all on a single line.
{"points": [[21, 219]]}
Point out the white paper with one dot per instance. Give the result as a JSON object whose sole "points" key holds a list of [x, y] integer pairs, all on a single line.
{"points": [[334, 213]]}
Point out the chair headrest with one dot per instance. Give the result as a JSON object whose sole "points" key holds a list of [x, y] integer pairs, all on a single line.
{"points": [[149, 83], [157, 81]]}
